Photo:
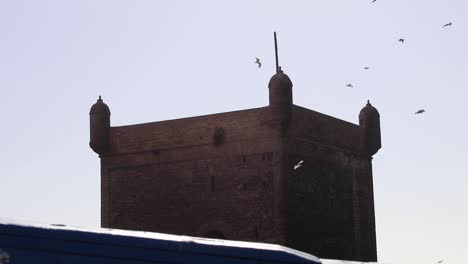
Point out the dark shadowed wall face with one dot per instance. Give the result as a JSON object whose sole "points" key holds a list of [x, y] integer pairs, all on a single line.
{"points": [[330, 207], [326, 209], [319, 199]]}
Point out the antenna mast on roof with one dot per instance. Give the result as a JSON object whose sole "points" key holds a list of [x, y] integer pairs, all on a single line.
{"points": [[276, 54]]}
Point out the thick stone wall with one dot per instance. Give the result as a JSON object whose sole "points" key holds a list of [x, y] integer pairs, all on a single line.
{"points": [[175, 177], [231, 175]]}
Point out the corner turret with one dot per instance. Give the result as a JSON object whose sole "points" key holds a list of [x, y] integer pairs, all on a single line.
{"points": [[99, 117], [369, 123], [280, 97]]}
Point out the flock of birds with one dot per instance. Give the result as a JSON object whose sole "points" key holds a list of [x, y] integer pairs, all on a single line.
{"points": [[402, 40], [350, 85]]}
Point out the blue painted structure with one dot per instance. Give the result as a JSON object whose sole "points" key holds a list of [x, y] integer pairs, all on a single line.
{"points": [[33, 244]]}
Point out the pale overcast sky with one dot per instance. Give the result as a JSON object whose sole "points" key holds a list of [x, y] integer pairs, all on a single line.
{"points": [[157, 60]]}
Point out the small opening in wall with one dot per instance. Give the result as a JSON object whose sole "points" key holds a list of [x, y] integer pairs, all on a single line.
{"points": [[263, 156], [218, 136], [244, 159]]}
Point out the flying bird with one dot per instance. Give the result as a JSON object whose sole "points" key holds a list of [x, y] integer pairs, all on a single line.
{"points": [[349, 85], [373, 1], [366, 68], [447, 25], [401, 40], [298, 165], [257, 60], [420, 111], [440, 261]]}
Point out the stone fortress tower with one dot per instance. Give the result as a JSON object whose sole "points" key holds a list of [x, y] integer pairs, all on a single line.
{"points": [[231, 175]]}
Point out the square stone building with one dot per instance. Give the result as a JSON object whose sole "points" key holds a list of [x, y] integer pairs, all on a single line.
{"points": [[235, 176]]}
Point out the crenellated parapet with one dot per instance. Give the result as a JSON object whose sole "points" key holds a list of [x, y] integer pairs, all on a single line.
{"points": [[280, 98]]}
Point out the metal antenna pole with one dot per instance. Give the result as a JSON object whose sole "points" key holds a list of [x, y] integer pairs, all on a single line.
{"points": [[276, 54]]}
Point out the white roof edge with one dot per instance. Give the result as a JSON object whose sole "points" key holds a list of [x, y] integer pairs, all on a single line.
{"points": [[338, 261], [163, 236]]}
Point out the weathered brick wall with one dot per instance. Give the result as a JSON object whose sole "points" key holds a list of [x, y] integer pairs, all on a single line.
{"points": [[174, 177], [330, 197], [364, 211], [239, 126], [170, 177], [320, 195], [313, 126]]}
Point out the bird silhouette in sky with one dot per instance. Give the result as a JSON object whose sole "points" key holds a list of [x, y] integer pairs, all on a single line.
{"points": [[420, 111], [349, 85], [401, 40], [257, 60], [298, 165], [366, 68], [447, 25], [440, 261], [373, 1]]}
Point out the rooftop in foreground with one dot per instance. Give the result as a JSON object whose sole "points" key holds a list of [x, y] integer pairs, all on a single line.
{"points": [[33, 243]]}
